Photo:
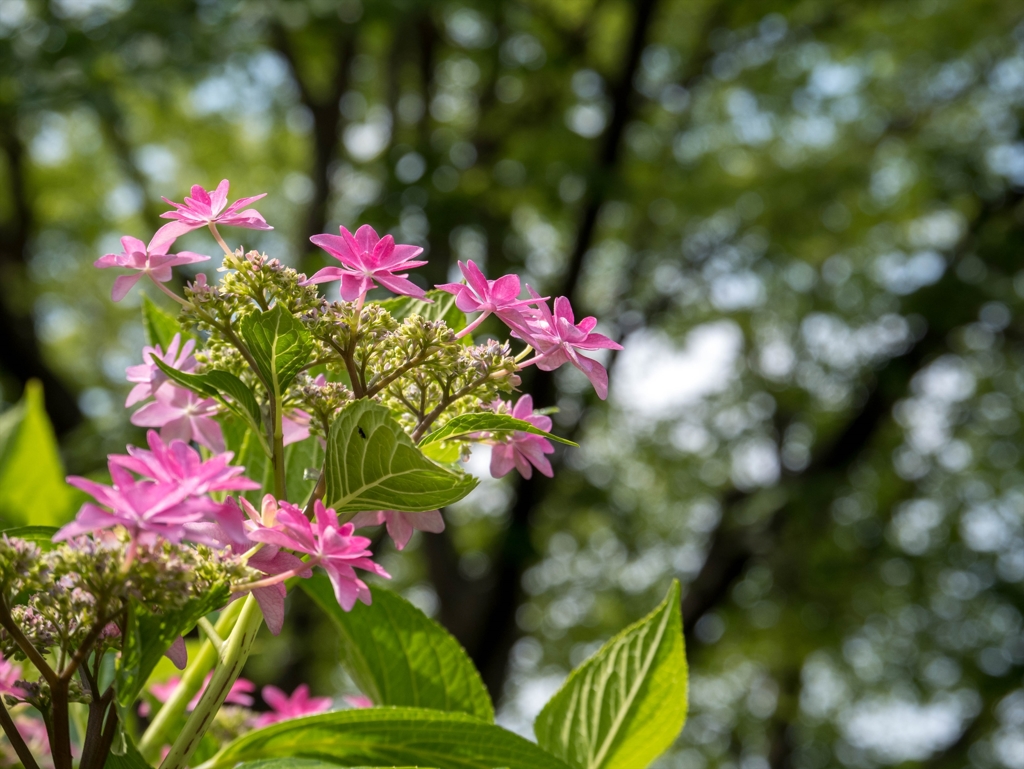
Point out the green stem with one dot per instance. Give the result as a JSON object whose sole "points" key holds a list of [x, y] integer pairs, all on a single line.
{"points": [[233, 655], [277, 416], [159, 731]]}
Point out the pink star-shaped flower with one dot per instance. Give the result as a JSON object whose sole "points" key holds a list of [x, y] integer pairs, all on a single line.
{"points": [[204, 208], [401, 525], [558, 339], [182, 415], [331, 545], [522, 450], [478, 294], [368, 260], [152, 260], [285, 707], [147, 509], [148, 376]]}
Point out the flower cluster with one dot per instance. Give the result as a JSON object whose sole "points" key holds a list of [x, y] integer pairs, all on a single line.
{"points": [[257, 362]]}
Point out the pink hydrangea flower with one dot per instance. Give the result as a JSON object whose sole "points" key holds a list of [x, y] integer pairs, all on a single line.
{"points": [[558, 339], [182, 415], [401, 525], [204, 208], [478, 294], [10, 673], [33, 731], [522, 450], [358, 701], [147, 509], [367, 260], [295, 426], [284, 707], [179, 463], [331, 545], [240, 693], [271, 560], [152, 260], [148, 376]]}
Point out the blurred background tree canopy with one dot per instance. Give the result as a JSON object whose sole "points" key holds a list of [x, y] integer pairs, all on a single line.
{"points": [[804, 220]]}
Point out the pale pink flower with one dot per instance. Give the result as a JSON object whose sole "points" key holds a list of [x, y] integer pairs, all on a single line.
{"points": [[147, 509], [10, 674], [205, 208], [295, 426], [401, 525], [331, 545], [522, 449], [558, 339], [358, 701], [284, 707], [33, 731], [152, 260], [182, 415], [368, 260], [149, 377], [177, 652], [478, 294]]}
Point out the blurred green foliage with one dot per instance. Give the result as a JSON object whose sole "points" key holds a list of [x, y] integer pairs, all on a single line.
{"points": [[803, 219]]}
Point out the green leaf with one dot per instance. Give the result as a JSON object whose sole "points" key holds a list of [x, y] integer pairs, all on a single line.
{"points": [[398, 656], [373, 465], [130, 758], [390, 737], [302, 464], [149, 635], [279, 344], [222, 385], [40, 535], [300, 457], [626, 705], [485, 421], [32, 487], [160, 325], [441, 308]]}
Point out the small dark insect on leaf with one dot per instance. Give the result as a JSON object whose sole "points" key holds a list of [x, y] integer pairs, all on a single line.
{"points": [[361, 433]]}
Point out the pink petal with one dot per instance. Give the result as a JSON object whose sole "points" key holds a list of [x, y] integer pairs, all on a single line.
{"points": [[178, 653], [271, 601], [475, 278], [502, 460], [123, 285], [219, 197], [325, 275], [505, 289], [596, 373], [164, 238], [208, 433], [367, 239], [399, 285]]}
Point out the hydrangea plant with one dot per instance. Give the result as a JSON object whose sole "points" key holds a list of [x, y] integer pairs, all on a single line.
{"points": [[284, 424]]}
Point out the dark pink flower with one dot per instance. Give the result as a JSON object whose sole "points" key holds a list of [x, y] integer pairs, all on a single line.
{"points": [[152, 260], [522, 450], [478, 294], [270, 559], [148, 376], [401, 525], [10, 674], [284, 707], [205, 208], [558, 339], [240, 693], [368, 260], [147, 509], [182, 415], [331, 545]]}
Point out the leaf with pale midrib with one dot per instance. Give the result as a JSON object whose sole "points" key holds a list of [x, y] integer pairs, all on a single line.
{"points": [[483, 421], [626, 705], [398, 656], [373, 465], [390, 737]]}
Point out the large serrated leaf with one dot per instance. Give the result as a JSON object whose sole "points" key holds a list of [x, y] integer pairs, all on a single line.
{"points": [[624, 706], [398, 656], [484, 421], [389, 737], [279, 344], [373, 465], [32, 487], [308, 763]]}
